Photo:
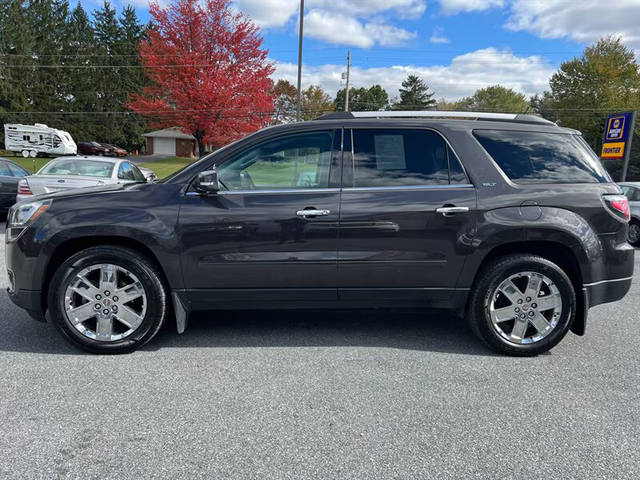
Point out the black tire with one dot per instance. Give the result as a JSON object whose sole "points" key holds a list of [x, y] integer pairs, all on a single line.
{"points": [[488, 281], [157, 300], [634, 238]]}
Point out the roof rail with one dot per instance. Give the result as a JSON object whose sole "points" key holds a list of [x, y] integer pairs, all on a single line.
{"points": [[509, 117]]}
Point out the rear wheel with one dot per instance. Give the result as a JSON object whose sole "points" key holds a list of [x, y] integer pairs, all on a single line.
{"points": [[522, 305], [25, 153], [634, 233], [108, 300]]}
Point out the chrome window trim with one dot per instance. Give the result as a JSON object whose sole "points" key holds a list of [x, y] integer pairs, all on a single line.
{"points": [[465, 186], [291, 190], [414, 187]]}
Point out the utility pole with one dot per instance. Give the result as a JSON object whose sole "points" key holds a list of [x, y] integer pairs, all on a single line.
{"points": [[299, 104], [346, 91], [627, 149]]}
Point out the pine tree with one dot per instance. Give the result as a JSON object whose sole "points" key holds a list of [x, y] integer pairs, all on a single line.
{"points": [[415, 95], [108, 81]]}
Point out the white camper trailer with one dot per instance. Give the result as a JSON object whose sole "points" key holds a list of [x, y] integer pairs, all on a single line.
{"points": [[30, 140]]}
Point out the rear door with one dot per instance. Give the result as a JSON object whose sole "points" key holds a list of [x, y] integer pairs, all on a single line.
{"points": [[270, 236], [407, 214]]}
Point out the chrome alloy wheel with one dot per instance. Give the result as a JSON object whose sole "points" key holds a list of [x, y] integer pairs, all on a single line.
{"points": [[525, 308], [105, 302]]}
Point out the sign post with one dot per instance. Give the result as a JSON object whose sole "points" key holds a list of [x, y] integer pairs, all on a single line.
{"points": [[618, 136]]}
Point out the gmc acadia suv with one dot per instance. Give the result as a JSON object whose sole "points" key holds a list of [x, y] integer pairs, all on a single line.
{"points": [[508, 220]]}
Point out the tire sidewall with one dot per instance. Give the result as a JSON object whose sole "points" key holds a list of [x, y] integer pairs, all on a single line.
{"points": [[154, 290], [503, 270], [637, 242]]}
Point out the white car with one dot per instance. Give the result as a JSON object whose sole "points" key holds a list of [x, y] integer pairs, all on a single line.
{"points": [[65, 173]]}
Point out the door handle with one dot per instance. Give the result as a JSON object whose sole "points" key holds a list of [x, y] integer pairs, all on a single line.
{"points": [[446, 211], [312, 213]]}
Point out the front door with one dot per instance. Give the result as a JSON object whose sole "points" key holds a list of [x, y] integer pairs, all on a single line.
{"points": [[272, 229], [407, 214]]}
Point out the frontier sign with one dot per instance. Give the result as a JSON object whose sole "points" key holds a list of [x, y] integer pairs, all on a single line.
{"points": [[616, 135]]}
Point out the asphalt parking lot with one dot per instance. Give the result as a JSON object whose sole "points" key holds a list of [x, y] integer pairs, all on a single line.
{"points": [[321, 395]]}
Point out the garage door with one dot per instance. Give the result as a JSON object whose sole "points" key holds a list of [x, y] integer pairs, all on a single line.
{"points": [[164, 146]]}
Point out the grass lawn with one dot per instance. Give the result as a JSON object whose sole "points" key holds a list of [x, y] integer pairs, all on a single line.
{"points": [[28, 163], [165, 167]]}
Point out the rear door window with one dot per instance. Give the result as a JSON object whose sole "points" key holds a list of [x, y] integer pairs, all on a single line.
{"points": [[403, 157], [541, 157]]}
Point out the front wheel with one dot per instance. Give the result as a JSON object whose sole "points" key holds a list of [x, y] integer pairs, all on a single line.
{"points": [[522, 305], [634, 233], [108, 300]]}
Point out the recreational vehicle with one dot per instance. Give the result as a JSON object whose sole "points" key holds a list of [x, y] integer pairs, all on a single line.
{"points": [[30, 140]]}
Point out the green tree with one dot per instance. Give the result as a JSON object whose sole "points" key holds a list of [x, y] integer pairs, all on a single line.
{"points": [[495, 98], [16, 61], [604, 80], [415, 95], [285, 97], [315, 102], [363, 99]]}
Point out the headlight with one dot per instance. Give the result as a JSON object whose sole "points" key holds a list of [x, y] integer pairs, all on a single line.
{"points": [[22, 214]]}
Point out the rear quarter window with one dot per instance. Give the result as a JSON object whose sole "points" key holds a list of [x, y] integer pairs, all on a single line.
{"points": [[541, 157]]}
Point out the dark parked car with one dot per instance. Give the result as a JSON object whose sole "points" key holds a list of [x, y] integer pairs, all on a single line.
{"points": [[92, 148], [509, 220], [114, 151], [10, 174]]}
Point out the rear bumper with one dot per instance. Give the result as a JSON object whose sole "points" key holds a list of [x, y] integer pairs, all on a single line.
{"points": [[606, 291]]}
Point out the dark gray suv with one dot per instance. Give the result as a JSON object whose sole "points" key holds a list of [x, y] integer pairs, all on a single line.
{"points": [[508, 220]]}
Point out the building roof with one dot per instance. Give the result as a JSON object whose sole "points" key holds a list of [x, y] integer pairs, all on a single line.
{"points": [[171, 132]]}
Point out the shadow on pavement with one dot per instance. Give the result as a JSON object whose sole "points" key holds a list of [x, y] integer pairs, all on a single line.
{"points": [[413, 330]]}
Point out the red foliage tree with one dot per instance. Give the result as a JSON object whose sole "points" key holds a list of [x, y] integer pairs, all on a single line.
{"points": [[207, 72]]}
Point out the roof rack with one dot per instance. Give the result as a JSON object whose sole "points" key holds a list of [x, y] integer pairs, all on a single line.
{"points": [[509, 117]]}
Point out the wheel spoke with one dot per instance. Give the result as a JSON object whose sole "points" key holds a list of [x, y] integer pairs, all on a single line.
{"points": [[82, 313], [533, 286], [539, 322], [85, 288], [130, 318], [108, 278], [548, 302], [511, 292], [519, 329], [504, 314], [104, 327], [129, 293]]}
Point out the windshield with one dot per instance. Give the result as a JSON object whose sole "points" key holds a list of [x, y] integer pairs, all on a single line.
{"points": [[87, 168]]}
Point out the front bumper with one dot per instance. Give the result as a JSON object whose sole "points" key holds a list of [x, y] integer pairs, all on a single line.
{"points": [[29, 300]]}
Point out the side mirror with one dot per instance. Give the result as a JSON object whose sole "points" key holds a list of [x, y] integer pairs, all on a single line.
{"points": [[207, 182]]}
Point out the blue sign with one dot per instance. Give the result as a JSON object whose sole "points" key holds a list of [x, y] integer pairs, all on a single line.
{"points": [[616, 134]]}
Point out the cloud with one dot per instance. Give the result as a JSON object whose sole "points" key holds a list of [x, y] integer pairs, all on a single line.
{"points": [[584, 21], [361, 23], [438, 36], [451, 7], [343, 30], [268, 13], [463, 76]]}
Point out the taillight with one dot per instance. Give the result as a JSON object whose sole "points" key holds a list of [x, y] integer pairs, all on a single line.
{"points": [[619, 205], [23, 188]]}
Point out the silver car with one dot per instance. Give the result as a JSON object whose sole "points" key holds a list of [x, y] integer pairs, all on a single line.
{"points": [[632, 191], [65, 173]]}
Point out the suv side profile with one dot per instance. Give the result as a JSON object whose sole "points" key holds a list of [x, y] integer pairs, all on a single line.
{"points": [[508, 220]]}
